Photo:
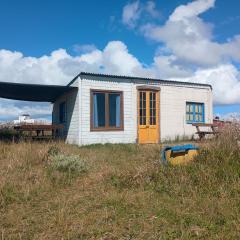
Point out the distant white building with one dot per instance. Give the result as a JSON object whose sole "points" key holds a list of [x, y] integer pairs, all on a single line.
{"points": [[24, 119]]}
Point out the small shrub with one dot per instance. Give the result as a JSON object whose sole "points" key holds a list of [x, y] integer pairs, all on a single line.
{"points": [[53, 150], [8, 134], [70, 164]]}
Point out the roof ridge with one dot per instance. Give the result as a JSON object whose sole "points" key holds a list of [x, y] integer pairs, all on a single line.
{"points": [[138, 78]]}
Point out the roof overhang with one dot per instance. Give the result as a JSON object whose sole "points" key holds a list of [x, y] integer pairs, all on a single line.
{"points": [[32, 92], [161, 81]]}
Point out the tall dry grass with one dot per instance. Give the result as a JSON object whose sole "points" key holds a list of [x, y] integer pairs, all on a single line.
{"points": [[124, 192]]}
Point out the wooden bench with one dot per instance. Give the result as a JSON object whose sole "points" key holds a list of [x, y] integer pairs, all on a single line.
{"points": [[212, 129]]}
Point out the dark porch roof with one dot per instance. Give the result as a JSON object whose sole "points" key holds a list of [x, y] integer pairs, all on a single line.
{"points": [[32, 92]]}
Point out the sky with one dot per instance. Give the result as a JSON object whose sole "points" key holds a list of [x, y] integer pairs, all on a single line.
{"points": [[50, 42]]}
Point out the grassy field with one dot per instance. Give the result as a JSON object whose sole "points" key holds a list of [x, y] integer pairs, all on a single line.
{"points": [[58, 191]]}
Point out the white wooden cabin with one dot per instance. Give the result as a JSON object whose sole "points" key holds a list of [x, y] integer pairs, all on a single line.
{"points": [[118, 109]]}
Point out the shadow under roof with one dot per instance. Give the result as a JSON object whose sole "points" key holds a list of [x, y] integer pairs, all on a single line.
{"points": [[32, 92]]}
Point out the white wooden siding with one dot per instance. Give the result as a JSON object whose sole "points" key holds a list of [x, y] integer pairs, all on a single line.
{"points": [[173, 98], [128, 135], [173, 109]]}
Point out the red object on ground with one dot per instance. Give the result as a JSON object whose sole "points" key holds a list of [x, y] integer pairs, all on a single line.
{"points": [[220, 123]]}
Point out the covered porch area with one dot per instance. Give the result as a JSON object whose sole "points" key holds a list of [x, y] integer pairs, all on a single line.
{"points": [[35, 93]]}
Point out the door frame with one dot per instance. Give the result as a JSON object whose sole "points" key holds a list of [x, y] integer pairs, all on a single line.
{"points": [[149, 88]]}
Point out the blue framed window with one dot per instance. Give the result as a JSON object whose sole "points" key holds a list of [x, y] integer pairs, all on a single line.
{"points": [[106, 110], [62, 112], [194, 112]]}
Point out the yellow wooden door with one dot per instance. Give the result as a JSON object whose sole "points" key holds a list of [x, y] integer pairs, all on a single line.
{"points": [[148, 116]]}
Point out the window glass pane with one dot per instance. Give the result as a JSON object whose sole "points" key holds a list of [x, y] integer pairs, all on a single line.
{"points": [[196, 108], [114, 110], [99, 109], [142, 108], [191, 108], [191, 117], [141, 115], [141, 101], [144, 100], [153, 121], [152, 108], [200, 108], [188, 107]]}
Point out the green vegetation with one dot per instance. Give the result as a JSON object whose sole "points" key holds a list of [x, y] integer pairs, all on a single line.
{"points": [[71, 164], [58, 191], [9, 134]]}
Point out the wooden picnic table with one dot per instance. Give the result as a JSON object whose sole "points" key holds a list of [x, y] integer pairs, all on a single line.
{"points": [[38, 131], [212, 129]]}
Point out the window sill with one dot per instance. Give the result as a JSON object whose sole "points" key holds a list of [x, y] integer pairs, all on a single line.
{"points": [[106, 129], [194, 122]]}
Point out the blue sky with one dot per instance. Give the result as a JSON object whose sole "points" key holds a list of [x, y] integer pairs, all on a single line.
{"points": [[36, 28], [91, 32]]}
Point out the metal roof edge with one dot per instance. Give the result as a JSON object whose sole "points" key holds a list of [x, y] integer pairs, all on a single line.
{"points": [[74, 79], [138, 78]]}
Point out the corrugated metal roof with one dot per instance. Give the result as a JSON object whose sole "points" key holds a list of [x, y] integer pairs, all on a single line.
{"points": [[171, 82]]}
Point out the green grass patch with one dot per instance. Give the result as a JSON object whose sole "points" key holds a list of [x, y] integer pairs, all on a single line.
{"points": [[119, 191]]}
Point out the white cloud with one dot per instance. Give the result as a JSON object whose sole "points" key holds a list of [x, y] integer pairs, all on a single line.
{"points": [[117, 60], [150, 8], [190, 39], [225, 80], [165, 67], [135, 11], [60, 67], [14, 67], [84, 48], [131, 13], [191, 9]]}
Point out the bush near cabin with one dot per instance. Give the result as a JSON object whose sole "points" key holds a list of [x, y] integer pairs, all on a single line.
{"points": [[123, 193], [9, 134]]}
